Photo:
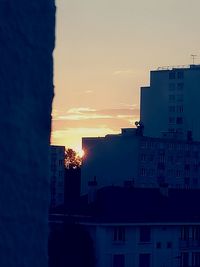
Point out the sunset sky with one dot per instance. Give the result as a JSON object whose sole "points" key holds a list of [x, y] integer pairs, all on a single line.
{"points": [[104, 52]]}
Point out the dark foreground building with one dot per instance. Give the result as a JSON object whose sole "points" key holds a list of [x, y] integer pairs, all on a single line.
{"points": [[140, 227]]}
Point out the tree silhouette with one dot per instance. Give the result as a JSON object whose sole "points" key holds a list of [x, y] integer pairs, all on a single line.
{"points": [[72, 159]]}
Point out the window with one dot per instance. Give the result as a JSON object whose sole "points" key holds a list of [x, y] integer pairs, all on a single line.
{"points": [[142, 172], [172, 75], [172, 109], [119, 234], [145, 234], [195, 259], [179, 98], [171, 120], [180, 86], [196, 233], [60, 173], [195, 181], [151, 157], [143, 157], [144, 260], [151, 172], [118, 260], [180, 75], [187, 167], [60, 162], [179, 109], [158, 245], [184, 260], [161, 166], [179, 120], [170, 172], [172, 87], [169, 244], [171, 98], [187, 181], [185, 233]]}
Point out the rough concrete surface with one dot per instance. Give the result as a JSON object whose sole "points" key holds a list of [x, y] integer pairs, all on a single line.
{"points": [[26, 93]]}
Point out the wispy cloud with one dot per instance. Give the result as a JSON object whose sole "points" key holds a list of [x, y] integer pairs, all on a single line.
{"points": [[88, 92], [80, 110], [86, 113], [70, 125], [124, 71]]}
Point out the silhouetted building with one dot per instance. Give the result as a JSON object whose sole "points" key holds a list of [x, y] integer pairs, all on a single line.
{"points": [[141, 226], [171, 102], [72, 186], [57, 176], [140, 160]]}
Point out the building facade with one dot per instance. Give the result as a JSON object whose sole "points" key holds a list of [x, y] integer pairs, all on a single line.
{"points": [[129, 158], [171, 102], [57, 176]]}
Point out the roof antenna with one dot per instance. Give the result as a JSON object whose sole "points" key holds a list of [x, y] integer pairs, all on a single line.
{"points": [[193, 58]]}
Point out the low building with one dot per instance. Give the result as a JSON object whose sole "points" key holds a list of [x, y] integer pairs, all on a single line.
{"points": [[141, 227], [130, 158], [57, 176]]}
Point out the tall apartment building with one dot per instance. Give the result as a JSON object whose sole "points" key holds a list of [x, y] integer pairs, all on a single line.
{"points": [[171, 102], [57, 176], [165, 150]]}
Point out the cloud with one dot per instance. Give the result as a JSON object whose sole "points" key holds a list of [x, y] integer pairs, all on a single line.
{"points": [[70, 126], [88, 92], [124, 71], [80, 110]]}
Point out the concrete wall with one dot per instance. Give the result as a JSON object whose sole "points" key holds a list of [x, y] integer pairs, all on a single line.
{"points": [[165, 245], [113, 160], [26, 86], [168, 99]]}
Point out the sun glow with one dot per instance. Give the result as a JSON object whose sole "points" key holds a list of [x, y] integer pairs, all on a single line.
{"points": [[80, 152]]}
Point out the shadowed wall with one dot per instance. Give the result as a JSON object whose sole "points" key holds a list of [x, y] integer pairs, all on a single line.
{"points": [[26, 87]]}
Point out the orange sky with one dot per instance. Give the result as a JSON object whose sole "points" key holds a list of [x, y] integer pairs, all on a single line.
{"points": [[104, 52]]}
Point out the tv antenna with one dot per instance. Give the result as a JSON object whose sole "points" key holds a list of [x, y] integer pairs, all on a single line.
{"points": [[193, 58]]}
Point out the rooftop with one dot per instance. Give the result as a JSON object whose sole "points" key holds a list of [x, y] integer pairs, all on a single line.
{"points": [[193, 66]]}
